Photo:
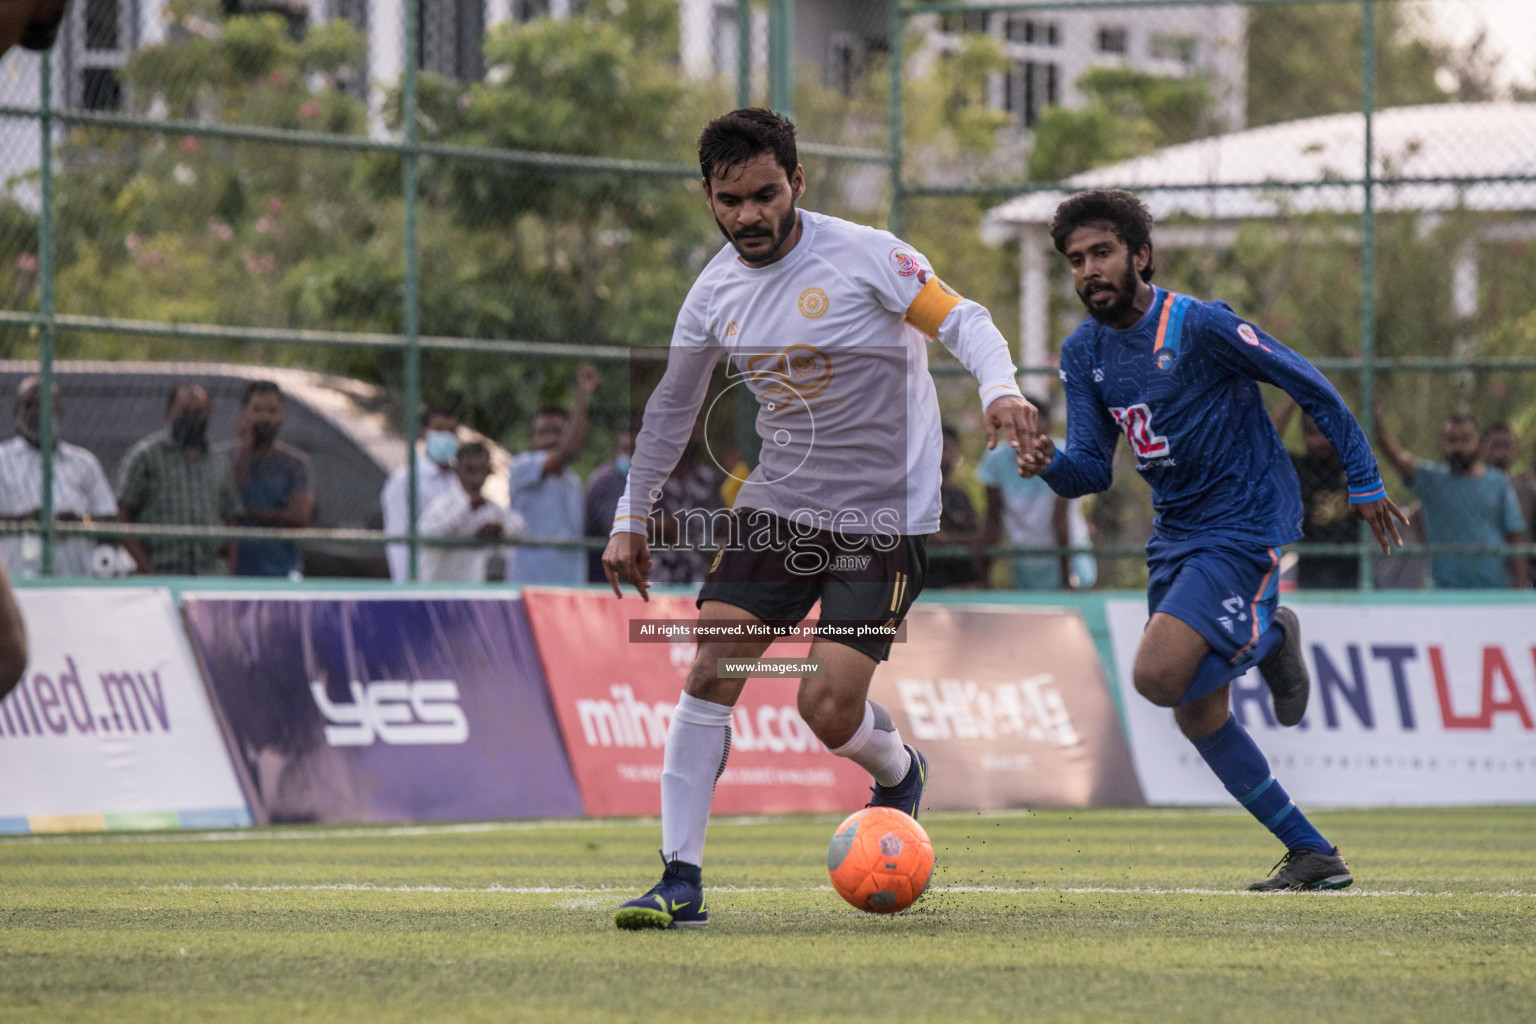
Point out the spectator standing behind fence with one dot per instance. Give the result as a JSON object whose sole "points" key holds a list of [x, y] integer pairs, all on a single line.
{"points": [[687, 518], [604, 489], [1034, 516], [1464, 502], [172, 478], [958, 524], [1325, 514], [437, 434], [1499, 449], [81, 492], [275, 482], [547, 493], [465, 511]]}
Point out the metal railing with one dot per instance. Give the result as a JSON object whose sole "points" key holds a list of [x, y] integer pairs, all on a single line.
{"points": [[903, 183]]}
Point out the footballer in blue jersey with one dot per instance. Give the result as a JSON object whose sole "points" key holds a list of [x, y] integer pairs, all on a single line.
{"points": [[1179, 378]]}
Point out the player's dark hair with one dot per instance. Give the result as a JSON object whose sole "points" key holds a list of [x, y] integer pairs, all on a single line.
{"points": [[259, 387], [950, 431], [1115, 210], [469, 448], [1458, 418], [742, 135], [1498, 427], [551, 410]]}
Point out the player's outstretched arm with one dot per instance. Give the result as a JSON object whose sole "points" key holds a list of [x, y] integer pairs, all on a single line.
{"points": [[1380, 514], [13, 638], [627, 559]]}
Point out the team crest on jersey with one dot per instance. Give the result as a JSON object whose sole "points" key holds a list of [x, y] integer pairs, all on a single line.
{"points": [[1248, 334], [903, 262], [799, 371], [814, 303]]}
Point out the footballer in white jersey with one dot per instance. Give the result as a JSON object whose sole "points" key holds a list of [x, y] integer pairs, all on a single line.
{"points": [[827, 323]]}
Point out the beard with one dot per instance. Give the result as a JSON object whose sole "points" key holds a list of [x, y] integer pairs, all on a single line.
{"points": [[1124, 297], [1461, 462], [777, 236]]}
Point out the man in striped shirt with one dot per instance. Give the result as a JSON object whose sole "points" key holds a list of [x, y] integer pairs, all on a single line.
{"points": [[173, 477]]}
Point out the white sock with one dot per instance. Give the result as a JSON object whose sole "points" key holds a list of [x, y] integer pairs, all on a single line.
{"points": [[698, 742], [877, 748]]}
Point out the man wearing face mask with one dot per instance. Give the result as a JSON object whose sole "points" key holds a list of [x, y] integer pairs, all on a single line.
{"points": [[81, 492], [1465, 502], [438, 443], [274, 481], [173, 478], [604, 489]]}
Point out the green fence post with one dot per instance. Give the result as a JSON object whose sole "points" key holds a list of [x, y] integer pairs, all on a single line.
{"points": [[781, 57], [896, 29], [46, 425], [412, 284], [1368, 258], [743, 54]]}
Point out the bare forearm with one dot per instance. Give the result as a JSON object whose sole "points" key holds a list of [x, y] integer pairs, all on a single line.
{"points": [[13, 638]]}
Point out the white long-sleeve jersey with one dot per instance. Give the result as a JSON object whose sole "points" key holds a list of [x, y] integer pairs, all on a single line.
{"points": [[832, 342]]}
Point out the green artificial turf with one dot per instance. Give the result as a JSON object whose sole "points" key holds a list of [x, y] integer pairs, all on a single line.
{"points": [[1049, 916]]}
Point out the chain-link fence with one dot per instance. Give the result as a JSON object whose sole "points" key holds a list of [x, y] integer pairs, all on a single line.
{"points": [[385, 204]]}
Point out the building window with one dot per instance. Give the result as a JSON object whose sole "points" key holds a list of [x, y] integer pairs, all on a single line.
{"points": [[100, 89], [452, 38], [101, 25], [1019, 29], [1114, 39], [1029, 87], [847, 55], [968, 21]]}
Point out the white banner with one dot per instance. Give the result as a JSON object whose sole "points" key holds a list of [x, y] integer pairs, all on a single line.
{"points": [[110, 726], [1411, 704]]}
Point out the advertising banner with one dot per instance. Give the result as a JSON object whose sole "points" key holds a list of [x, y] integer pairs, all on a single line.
{"points": [[383, 709], [110, 725], [1410, 705], [1009, 705], [614, 700], [1011, 708]]}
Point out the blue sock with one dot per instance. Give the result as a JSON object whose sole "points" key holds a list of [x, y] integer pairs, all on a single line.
{"points": [[1214, 671], [1240, 765]]}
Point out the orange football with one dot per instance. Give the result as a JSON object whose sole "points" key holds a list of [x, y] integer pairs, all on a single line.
{"points": [[880, 860]]}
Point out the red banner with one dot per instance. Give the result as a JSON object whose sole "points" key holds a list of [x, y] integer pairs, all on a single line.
{"points": [[613, 700]]}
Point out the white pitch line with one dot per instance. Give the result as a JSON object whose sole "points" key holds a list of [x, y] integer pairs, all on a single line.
{"points": [[544, 890]]}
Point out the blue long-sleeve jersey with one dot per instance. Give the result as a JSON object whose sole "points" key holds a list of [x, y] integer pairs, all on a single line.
{"points": [[1182, 386]]}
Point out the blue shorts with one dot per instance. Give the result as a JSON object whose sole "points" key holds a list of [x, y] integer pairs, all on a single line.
{"points": [[1224, 590]]}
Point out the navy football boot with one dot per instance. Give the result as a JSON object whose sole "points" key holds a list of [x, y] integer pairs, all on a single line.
{"points": [[908, 793], [677, 901]]}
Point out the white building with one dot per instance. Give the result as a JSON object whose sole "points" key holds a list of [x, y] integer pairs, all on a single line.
{"points": [[1048, 51]]}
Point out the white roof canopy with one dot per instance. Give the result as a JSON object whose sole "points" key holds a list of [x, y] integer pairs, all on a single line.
{"points": [[1294, 168], [1448, 140]]}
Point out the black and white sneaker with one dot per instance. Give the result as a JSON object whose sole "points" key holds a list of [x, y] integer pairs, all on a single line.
{"points": [[1285, 672], [1306, 869]]}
